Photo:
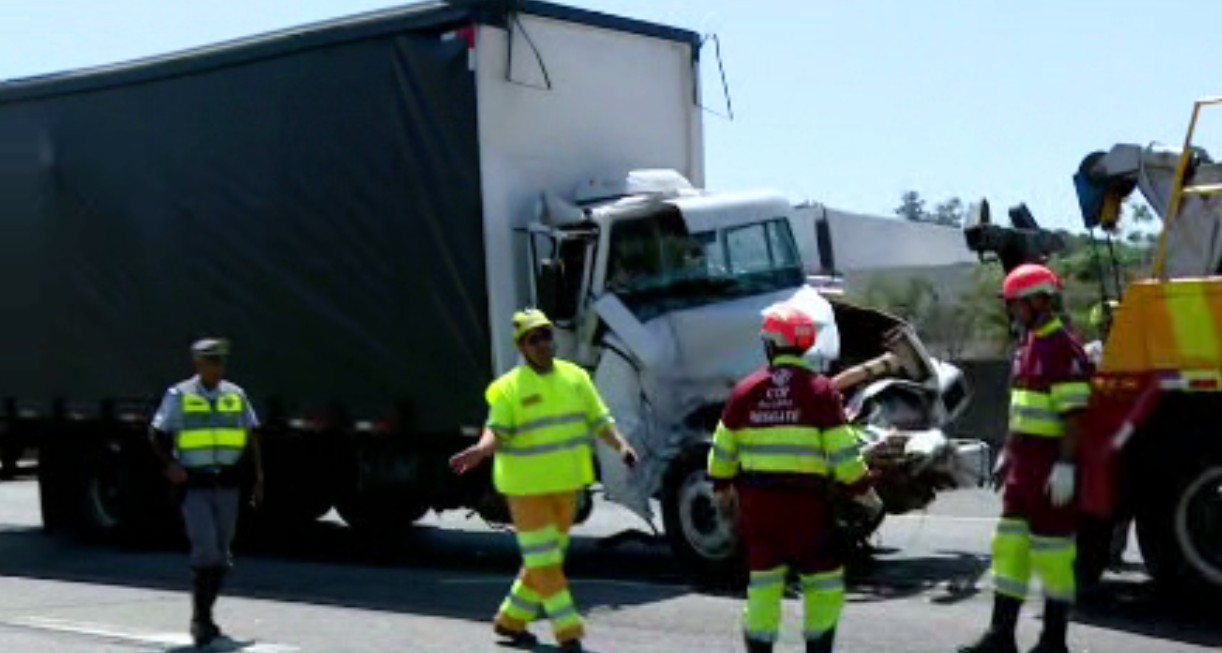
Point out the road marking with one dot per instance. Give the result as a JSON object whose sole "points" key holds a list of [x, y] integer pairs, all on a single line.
{"points": [[120, 636]]}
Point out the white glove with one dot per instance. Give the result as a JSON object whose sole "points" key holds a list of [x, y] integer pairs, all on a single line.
{"points": [[1060, 485]]}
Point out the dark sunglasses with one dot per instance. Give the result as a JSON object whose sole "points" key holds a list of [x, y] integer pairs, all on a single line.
{"points": [[538, 337]]}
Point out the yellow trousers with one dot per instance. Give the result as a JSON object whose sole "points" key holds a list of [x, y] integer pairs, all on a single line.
{"points": [[543, 523]]}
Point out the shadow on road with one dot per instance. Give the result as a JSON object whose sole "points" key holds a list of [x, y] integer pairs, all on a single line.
{"points": [[464, 574], [431, 571], [946, 576], [1134, 604]]}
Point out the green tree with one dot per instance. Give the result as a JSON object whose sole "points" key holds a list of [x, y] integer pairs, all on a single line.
{"points": [[948, 213], [912, 207]]}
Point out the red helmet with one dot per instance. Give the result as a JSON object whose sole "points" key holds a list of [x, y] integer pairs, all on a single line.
{"points": [[1030, 279], [789, 328]]}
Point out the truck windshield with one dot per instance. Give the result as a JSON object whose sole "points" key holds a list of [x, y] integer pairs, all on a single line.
{"points": [[657, 266]]}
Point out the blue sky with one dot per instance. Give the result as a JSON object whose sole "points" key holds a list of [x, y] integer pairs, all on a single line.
{"points": [[847, 103]]}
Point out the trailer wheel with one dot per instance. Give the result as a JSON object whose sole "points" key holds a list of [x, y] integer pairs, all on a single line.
{"points": [[695, 529], [53, 494], [380, 512]]}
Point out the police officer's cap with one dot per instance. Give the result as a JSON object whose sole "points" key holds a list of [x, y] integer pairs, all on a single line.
{"points": [[210, 349]]}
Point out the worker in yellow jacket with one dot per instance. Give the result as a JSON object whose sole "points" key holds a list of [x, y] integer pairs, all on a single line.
{"points": [[543, 416]]}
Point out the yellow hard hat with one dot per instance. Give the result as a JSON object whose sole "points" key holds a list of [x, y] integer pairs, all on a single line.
{"points": [[528, 320]]}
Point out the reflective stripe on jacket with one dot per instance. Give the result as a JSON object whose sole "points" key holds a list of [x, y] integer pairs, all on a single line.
{"points": [[786, 420], [1051, 379]]}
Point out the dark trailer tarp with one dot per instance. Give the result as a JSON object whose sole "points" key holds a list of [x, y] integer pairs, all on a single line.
{"points": [[312, 195]]}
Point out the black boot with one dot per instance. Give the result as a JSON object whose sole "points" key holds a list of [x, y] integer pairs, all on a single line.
{"points": [[756, 646], [216, 578], [1056, 626], [201, 608], [823, 643], [1000, 636]]}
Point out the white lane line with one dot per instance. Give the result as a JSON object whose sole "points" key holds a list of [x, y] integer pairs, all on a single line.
{"points": [[117, 635]]}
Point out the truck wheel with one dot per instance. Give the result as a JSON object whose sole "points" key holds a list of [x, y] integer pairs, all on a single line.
{"points": [[1180, 532], [697, 533], [1198, 523], [380, 512], [585, 506], [53, 494]]}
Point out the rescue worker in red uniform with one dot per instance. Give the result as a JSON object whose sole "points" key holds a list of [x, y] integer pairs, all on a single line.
{"points": [[782, 441], [1036, 533]]}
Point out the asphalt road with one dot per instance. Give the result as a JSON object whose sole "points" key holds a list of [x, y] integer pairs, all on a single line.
{"points": [[323, 589]]}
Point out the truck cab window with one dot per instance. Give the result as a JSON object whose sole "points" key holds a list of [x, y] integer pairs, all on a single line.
{"points": [[761, 247]]}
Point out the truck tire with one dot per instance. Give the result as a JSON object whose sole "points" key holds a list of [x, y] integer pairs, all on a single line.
{"points": [[52, 480], [585, 506], [695, 529], [381, 512], [1180, 531], [1198, 523], [299, 477]]}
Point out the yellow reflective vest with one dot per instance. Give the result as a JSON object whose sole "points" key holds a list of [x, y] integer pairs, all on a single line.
{"points": [[1051, 379], [545, 427], [211, 435]]}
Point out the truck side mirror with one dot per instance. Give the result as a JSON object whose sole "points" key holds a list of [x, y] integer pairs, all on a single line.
{"points": [[550, 288]]}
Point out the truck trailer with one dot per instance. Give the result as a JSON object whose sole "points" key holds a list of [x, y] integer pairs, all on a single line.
{"points": [[360, 206]]}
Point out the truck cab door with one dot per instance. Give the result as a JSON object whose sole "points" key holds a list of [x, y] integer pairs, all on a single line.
{"points": [[561, 271]]}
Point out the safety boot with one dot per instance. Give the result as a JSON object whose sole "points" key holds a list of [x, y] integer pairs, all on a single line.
{"points": [[756, 646], [823, 643], [203, 631], [571, 646], [999, 638], [992, 642], [515, 638], [1056, 626]]}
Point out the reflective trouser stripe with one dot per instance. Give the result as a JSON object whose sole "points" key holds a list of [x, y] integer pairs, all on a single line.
{"points": [[823, 600], [1012, 558], [1053, 559], [762, 616], [562, 612], [522, 603], [540, 548]]}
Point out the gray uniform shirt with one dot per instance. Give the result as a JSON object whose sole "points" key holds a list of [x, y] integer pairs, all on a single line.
{"points": [[168, 418]]}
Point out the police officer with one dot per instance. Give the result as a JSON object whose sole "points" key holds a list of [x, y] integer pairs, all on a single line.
{"points": [[1049, 389], [781, 444], [202, 434], [543, 416]]}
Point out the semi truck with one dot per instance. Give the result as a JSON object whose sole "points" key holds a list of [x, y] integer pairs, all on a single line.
{"points": [[359, 206]]}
